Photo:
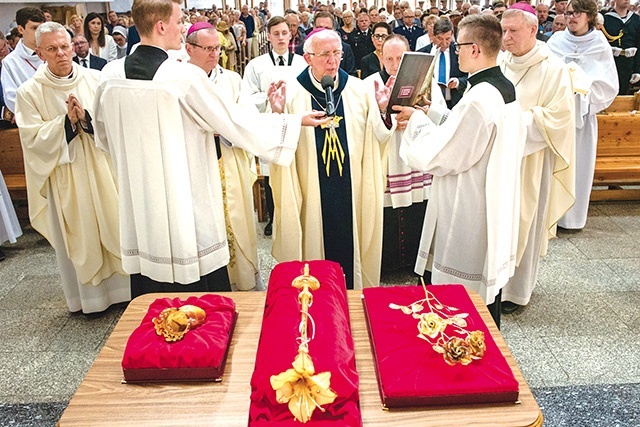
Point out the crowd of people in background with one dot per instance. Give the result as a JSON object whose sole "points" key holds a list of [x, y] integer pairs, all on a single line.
{"points": [[112, 36], [598, 40]]}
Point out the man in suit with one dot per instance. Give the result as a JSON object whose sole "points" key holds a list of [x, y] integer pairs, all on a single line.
{"points": [[348, 62], [451, 79], [408, 29], [83, 57], [360, 39]]}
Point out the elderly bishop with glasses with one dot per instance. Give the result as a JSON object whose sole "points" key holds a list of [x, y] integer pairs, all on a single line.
{"points": [[329, 201]]}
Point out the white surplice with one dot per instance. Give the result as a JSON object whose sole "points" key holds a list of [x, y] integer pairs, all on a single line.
{"points": [[592, 55], [171, 205], [471, 224], [259, 74], [17, 67]]}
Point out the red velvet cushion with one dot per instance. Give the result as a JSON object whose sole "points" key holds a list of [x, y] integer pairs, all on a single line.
{"points": [[331, 350], [411, 373], [201, 350]]}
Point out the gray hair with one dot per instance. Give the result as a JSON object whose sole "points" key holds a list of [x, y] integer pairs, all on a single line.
{"points": [[50, 27], [529, 18], [320, 35]]}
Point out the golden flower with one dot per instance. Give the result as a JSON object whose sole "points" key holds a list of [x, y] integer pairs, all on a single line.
{"points": [[457, 350], [431, 325], [303, 390], [476, 341]]}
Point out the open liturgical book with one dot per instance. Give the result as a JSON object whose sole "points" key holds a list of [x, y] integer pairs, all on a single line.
{"points": [[413, 80]]}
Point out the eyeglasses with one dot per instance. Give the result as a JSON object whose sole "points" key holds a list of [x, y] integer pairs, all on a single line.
{"points": [[380, 36], [80, 43], [457, 46], [337, 55], [208, 49], [572, 14], [55, 49]]}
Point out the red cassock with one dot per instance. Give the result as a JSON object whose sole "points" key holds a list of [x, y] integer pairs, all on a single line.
{"points": [[199, 356], [411, 373], [331, 348]]}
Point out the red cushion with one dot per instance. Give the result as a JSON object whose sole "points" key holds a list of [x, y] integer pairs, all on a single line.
{"points": [[199, 355], [411, 373], [331, 350]]}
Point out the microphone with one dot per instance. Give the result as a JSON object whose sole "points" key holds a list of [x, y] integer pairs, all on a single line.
{"points": [[327, 85]]}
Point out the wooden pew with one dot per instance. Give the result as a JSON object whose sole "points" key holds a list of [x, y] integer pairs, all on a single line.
{"points": [[618, 152], [12, 167]]}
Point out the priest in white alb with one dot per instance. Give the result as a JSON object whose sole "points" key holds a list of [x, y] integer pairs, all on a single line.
{"points": [[73, 198], [157, 118], [544, 91], [474, 153]]}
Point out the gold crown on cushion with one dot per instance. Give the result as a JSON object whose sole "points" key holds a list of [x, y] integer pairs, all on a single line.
{"points": [[174, 323], [462, 348]]}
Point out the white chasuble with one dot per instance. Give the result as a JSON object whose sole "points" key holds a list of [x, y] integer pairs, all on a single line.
{"points": [[73, 198]]}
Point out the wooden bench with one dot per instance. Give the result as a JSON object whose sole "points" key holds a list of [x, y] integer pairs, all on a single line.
{"points": [[12, 167], [618, 153]]}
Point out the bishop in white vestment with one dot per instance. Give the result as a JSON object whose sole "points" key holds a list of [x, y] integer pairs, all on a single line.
{"points": [[328, 202], [543, 87]]}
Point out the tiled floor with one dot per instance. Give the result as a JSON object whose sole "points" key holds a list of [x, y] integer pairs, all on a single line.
{"points": [[576, 342]]}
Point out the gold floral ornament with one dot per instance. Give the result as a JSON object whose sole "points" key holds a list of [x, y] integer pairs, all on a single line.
{"points": [[174, 323], [463, 348], [299, 386]]}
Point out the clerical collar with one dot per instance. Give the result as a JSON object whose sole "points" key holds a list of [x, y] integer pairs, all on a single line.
{"points": [[213, 74], [316, 83], [495, 78], [59, 79]]}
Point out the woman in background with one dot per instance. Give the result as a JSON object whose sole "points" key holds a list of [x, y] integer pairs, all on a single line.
{"points": [[100, 43], [76, 25], [589, 56]]}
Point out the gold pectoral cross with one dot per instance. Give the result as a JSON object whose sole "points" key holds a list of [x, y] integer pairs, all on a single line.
{"points": [[332, 148]]}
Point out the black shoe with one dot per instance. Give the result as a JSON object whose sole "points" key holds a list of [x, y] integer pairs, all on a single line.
{"points": [[508, 307], [2, 256], [268, 230]]}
